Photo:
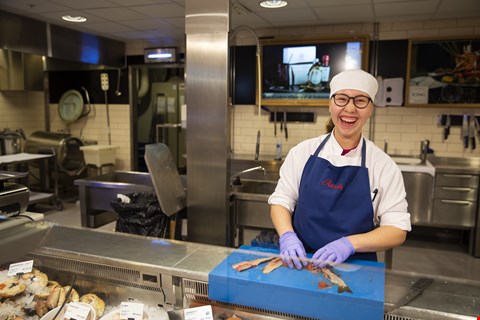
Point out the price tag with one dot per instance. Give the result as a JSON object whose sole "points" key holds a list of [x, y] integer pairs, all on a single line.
{"points": [[76, 311], [198, 313], [131, 310], [20, 267]]}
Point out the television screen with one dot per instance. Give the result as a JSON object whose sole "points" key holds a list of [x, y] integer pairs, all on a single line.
{"points": [[299, 73]]}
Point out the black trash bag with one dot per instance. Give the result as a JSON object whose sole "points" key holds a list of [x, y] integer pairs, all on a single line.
{"points": [[142, 216]]}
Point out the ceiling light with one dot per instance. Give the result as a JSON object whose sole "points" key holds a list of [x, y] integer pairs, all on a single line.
{"points": [[74, 19], [273, 4], [152, 55]]}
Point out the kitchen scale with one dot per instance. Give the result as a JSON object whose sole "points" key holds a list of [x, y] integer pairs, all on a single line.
{"points": [[14, 197]]}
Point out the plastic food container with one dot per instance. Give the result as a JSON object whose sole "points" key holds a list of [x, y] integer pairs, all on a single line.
{"points": [[99, 155]]}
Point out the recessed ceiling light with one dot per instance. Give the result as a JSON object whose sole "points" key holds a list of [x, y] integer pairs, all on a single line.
{"points": [[74, 19], [273, 4]]}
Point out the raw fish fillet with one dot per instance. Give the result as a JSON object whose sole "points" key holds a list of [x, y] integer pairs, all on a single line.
{"points": [[272, 265], [244, 265], [335, 279], [330, 276]]}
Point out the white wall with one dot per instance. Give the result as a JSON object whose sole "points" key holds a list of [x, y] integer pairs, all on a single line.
{"points": [[26, 110], [404, 128], [95, 127], [22, 110]]}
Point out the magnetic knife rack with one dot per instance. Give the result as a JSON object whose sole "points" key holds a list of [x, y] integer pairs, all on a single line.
{"points": [[455, 119]]}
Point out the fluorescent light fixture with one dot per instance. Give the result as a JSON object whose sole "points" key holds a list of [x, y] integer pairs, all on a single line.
{"points": [[74, 19], [273, 4], [153, 55], [165, 55]]}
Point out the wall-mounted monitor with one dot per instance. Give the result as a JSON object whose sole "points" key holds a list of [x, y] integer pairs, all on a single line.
{"points": [[298, 72]]}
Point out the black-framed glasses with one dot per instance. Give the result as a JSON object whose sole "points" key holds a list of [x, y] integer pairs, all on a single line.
{"points": [[342, 100]]}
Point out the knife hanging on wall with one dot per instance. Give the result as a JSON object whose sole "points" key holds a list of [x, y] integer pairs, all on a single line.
{"points": [[464, 132], [472, 131], [446, 130], [275, 123], [285, 125], [477, 127]]}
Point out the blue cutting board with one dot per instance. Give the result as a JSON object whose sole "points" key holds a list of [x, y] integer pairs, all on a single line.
{"points": [[297, 292]]}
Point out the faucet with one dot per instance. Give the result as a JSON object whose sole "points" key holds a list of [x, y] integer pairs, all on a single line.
{"points": [[424, 149], [385, 145], [235, 178]]}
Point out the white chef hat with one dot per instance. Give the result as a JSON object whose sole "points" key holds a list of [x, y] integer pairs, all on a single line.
{"points": [[355, 79]]}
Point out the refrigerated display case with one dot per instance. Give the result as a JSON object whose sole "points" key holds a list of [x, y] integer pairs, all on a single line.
{"points": [[169, 276]]}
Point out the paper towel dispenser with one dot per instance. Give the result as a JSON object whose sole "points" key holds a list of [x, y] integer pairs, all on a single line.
{"points": [[20, 71]]}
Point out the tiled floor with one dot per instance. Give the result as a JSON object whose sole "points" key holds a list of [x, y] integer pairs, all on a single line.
{"points": [[433, 254]]}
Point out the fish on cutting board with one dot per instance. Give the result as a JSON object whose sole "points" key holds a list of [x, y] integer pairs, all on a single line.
{"points": [[276, 262], [245, 265], [273, 265], [335, 279], [330, 276]]}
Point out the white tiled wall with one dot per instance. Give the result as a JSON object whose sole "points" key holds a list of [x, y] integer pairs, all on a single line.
{"points": [[26, 110], [95, 127], [22, 110], [403, 128]]}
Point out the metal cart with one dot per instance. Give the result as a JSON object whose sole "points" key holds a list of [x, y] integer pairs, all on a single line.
{"points": [[42, 191]]}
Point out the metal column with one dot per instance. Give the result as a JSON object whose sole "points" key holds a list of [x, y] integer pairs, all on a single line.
{"points": [[208, 128]]}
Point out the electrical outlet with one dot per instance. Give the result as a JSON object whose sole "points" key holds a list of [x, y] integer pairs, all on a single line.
{"points": [[104, 81]]}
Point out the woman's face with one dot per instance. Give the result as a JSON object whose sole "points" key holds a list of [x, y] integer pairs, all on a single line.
{"points": [[349, 120]]}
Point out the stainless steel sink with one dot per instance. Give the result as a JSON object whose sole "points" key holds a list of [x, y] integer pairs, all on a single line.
{"points": [[250, 207], [407, 160], [408, 163], [255, 187]]}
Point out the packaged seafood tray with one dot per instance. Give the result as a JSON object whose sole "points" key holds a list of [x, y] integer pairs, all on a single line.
{"points": [[253, 277]]}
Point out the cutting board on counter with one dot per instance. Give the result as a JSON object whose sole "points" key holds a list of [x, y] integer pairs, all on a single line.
{"points": [[298, 292]]}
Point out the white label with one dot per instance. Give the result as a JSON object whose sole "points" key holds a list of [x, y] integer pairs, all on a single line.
{"points": [[418, 94], [20, 267], [199, 313], [131, 310], [77, 311]]}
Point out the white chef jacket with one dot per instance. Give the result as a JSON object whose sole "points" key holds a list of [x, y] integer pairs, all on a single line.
{"points": [[389, 205]]}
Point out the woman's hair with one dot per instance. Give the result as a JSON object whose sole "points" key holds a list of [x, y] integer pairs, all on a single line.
{"points": [[329, 125]]}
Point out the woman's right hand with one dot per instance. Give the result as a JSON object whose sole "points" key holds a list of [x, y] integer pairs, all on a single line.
{"points": [[292, 251]]}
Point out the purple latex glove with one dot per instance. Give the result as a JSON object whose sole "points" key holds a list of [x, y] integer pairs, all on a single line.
{"points": [[333, 253], [292, 251]]}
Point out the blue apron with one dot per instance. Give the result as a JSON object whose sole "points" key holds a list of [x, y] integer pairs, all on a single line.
{"points": [[333, 202]]}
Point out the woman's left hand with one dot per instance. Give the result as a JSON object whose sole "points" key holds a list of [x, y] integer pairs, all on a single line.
{"points": [[333, 253]]}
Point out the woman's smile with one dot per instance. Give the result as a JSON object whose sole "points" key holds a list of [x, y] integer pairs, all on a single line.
{"points": [[348, 121]]}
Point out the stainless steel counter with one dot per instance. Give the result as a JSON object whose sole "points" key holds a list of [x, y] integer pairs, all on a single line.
{"points": [[465, 165], [183, 268]]}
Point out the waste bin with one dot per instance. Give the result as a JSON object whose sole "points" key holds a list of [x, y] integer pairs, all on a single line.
{"points": [[140, 213]]}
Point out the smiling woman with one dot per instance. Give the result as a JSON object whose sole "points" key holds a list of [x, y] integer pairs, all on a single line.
{"points": [[328, 182]]}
